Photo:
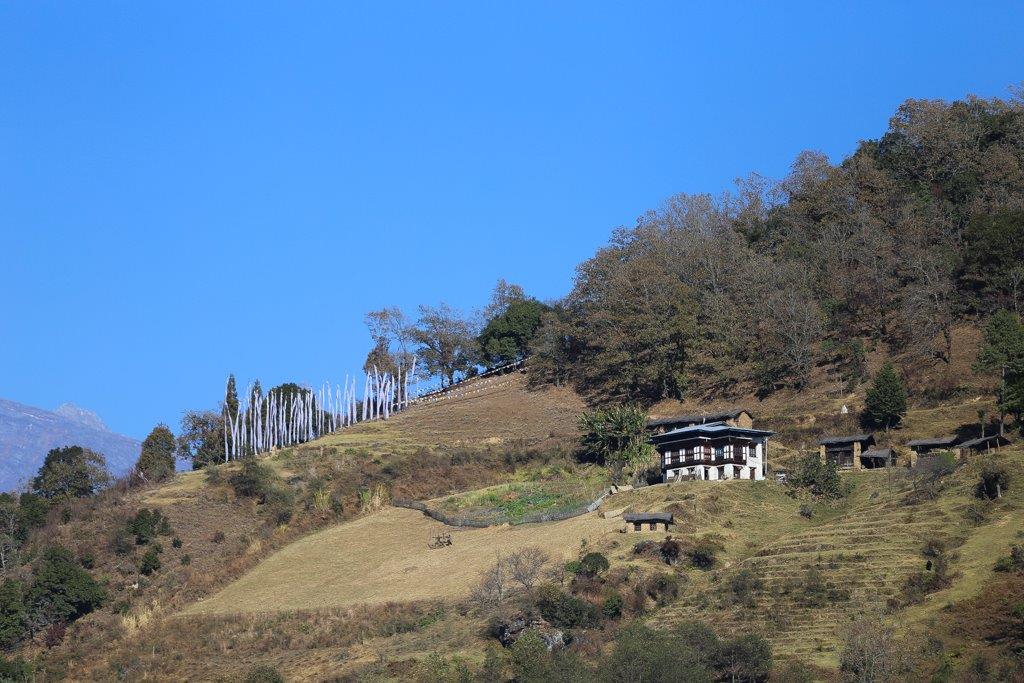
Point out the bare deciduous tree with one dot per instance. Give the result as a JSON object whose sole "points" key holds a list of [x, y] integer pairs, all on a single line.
{"points": [[525, 565], [872, 653]]}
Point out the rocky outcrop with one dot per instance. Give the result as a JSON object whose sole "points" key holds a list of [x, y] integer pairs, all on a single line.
{"points": [[513, 628]]}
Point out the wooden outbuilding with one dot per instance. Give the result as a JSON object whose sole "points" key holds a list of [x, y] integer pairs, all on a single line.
{"points": [[734, 417], [926, 446], [874, 458], [647, 521], [845, 451], [983, 444]]}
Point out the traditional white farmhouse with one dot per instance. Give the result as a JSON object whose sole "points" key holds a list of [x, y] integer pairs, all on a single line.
{"points": [[715, 450]]}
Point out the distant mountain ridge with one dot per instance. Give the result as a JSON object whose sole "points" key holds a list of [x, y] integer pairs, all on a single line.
{"points": [[81, 416], [28, 433]]}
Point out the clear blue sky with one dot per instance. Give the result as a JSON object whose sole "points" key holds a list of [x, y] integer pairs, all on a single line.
{"points": [[191, 189]]}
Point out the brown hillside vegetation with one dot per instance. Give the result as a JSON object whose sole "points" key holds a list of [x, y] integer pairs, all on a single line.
{"points": [[490, 410], [343, 594]]}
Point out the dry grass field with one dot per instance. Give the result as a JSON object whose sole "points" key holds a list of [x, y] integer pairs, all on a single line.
{"points": [[383, 557], [491, 410]]}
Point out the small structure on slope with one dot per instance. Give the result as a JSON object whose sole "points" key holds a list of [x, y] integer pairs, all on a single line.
{"points": [[647, 521], [845, 451], [926, 446], [874, 458], [983, 444]]}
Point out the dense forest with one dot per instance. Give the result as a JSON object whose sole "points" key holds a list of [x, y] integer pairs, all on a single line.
{"points": [[909, 234]]}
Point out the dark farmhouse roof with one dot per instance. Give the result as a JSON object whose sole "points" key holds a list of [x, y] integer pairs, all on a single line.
{"points": [[985, 441], [707, 431], [706, 417], [937, 441], [877, 453], [853, 438], [665, 517]]}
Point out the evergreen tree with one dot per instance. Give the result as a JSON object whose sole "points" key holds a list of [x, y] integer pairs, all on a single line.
{"points": [[13, 615], [156, 461], [1003, 353], [886, 402], [231, 397], [61, 590]]}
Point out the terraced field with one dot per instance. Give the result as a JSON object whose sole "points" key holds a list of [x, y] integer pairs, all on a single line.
{"points": [[865, 552]]}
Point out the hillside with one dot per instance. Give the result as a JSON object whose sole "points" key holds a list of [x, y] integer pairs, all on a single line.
{"points": [[331, 594], [27, 433]]}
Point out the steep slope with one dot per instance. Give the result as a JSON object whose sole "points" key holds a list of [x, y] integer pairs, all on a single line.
{"points": [[495, 410], [27, 433]]}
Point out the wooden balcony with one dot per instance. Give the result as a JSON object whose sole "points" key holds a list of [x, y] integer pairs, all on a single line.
{"points": [[690, 461]]}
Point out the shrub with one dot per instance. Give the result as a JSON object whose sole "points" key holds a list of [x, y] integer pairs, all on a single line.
{"points": [[663, 588], [1013, 562], [806, 510], [564, 610], [528, 658], [871, 652], [253, 480], [218, 536], [744, 585], [61, 590], [54, 635], [32, 510], [186, 559], [593, 564], [612, 607], [977, 512], [214, 475], [150, 562], [176, 542], [994, 479], [121, 543], [815, 589], [746, 658], [16, 670], [280, 501], [820, 478], [670, 550], [704, 553], [795, 671], [263, 673], [147, 525], [643, 654]]}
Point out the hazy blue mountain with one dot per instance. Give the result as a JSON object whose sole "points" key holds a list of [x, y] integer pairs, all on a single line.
{"points": [[27, 433]]}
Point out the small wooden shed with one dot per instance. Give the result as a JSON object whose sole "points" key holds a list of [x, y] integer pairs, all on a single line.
{"points": [[983, 444], [874, 458], [845, 451], [939, 443], [647, 521]]}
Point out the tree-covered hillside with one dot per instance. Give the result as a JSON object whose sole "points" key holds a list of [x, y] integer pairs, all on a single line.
{"points": [[909, 234]]}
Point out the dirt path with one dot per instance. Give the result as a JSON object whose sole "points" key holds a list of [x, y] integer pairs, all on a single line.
{"points": [[384, 557]]}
